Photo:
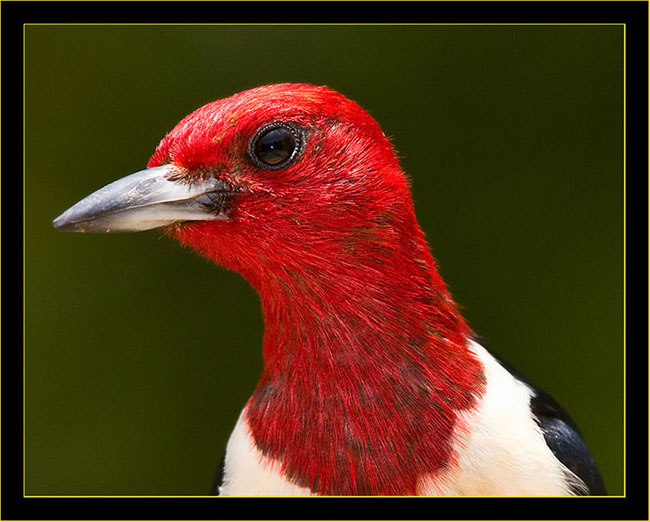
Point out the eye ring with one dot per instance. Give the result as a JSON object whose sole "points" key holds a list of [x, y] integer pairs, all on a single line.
{"points": [[276, 145]]}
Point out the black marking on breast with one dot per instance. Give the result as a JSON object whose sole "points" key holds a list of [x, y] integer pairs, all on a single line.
{"points": [[561, 433]]}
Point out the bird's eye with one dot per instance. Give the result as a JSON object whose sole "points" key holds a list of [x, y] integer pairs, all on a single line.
{"points": [[275, 145]]}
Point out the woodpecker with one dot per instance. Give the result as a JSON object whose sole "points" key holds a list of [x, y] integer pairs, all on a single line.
{"points": [[373, 383]]}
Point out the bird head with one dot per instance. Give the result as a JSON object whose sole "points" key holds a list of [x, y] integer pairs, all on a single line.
{"points": [[267, 182], [297, 188]]}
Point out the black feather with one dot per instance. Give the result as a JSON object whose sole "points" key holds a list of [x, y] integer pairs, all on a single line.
{"points": [[561, 434], [218, 478]]}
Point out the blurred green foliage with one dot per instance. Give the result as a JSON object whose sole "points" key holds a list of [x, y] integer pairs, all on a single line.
{"points": [[140, 355]]}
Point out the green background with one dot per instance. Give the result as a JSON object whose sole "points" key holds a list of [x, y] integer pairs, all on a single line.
{"points": [[140, 355]]}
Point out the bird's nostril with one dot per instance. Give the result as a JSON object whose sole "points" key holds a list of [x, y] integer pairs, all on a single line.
{"points": [[211, 201], [216, 202]]}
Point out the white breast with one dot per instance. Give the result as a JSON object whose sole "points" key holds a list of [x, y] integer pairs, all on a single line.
{"points": [[249, 473], [500, 451]]}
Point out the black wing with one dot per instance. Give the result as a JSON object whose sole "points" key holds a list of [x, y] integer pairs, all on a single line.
{"points": [[560, 433], [218, 478]]}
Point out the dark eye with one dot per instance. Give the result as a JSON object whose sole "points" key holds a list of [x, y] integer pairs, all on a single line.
{"points": [[275, 145]]}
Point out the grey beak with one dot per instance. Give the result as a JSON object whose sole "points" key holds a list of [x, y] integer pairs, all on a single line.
{"points": [[145, 200]]}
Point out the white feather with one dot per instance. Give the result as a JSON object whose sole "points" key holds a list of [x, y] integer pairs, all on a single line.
{"points": [[499, 450]]}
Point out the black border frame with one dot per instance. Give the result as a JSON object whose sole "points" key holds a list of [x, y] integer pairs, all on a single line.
{"points": [[634, 506]]}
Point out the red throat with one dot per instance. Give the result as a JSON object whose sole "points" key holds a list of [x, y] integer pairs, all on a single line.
{"points": [[364, 377], [366, 365], [366, 359]]}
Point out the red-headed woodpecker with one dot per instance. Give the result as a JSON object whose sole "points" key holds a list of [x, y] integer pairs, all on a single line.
{"points": [[373, 383]]}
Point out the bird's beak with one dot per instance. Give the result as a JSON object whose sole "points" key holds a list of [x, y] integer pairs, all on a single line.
{"points": [[145, 200]]}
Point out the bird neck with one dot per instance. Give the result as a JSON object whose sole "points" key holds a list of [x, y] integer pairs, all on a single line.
{"points": [[363, 358], [397, 304]]}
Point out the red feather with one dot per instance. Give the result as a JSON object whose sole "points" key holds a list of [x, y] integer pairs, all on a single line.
{"points": [[366, 365]]}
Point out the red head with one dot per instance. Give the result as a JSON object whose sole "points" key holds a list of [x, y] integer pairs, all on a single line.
{"points": [[338, 192], [297, 188]]}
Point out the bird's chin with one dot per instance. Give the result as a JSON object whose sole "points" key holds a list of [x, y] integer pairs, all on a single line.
{"points": [[188, 232], [178, 228]]}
